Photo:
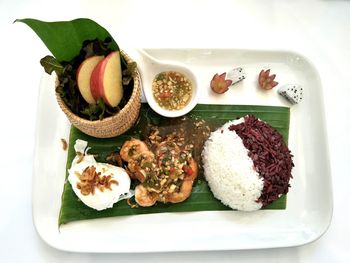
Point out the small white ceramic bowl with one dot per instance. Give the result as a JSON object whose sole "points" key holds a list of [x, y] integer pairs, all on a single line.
{"points": [[175, 113], [149, 67]]}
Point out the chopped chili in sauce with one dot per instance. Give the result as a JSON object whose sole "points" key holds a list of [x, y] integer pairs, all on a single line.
{"points": [[172, 90]]}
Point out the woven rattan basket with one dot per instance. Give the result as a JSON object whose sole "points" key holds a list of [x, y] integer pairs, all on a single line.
{"points": [[114, 125]]}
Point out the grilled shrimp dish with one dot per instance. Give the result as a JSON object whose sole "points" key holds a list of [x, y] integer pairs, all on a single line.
{"points": [[165, 174]]}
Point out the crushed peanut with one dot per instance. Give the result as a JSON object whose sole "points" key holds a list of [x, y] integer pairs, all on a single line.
{"points": [[115, 158], [64, 144], [128, 201]]}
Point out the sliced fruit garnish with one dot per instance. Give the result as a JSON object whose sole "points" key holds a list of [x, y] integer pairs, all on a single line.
{"points": [[292, 92], [236, 75], [267, 81], [219, 83]]}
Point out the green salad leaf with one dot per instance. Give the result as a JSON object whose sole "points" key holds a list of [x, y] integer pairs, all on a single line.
{"points": [[51, 64], [95, 111], [201, 199]]}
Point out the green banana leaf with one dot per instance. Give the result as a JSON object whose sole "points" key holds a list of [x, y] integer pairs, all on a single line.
{"points": [[201, 198], [65, 38]]}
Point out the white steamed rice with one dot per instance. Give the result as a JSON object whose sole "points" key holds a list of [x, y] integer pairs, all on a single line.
{"points": [[229, 170]]}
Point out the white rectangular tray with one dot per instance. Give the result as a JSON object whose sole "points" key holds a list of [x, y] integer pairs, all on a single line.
{"points": [[309, 204]]}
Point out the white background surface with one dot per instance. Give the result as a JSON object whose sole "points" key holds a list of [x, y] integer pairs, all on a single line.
{"points": [[317, 29]]}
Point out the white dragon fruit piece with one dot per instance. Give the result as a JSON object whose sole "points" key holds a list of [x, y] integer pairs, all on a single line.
{"points": [[236, 75], [292, 92]]}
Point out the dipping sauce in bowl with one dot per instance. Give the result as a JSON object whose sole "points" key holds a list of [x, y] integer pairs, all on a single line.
{"points": [[172, 90]]}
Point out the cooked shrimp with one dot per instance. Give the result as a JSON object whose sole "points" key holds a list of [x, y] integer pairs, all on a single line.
{"points": [[143, 160], [132, 149], [182, 195], [193, 172], [139, 174], [144, 197], [160, 170], [167, 146], [186, 187]]}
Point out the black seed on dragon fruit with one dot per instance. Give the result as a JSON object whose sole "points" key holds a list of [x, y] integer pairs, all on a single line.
{"points": [[292, 92]]}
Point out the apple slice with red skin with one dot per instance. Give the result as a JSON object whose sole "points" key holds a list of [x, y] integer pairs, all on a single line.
{"points": [[83, 77], [106, 80]]}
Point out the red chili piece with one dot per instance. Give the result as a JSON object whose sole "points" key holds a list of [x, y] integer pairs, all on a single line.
{"points": [[187, 169]]}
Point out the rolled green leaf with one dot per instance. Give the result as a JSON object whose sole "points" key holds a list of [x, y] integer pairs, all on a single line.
{"points": [[65, 38], [201, 198]]}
